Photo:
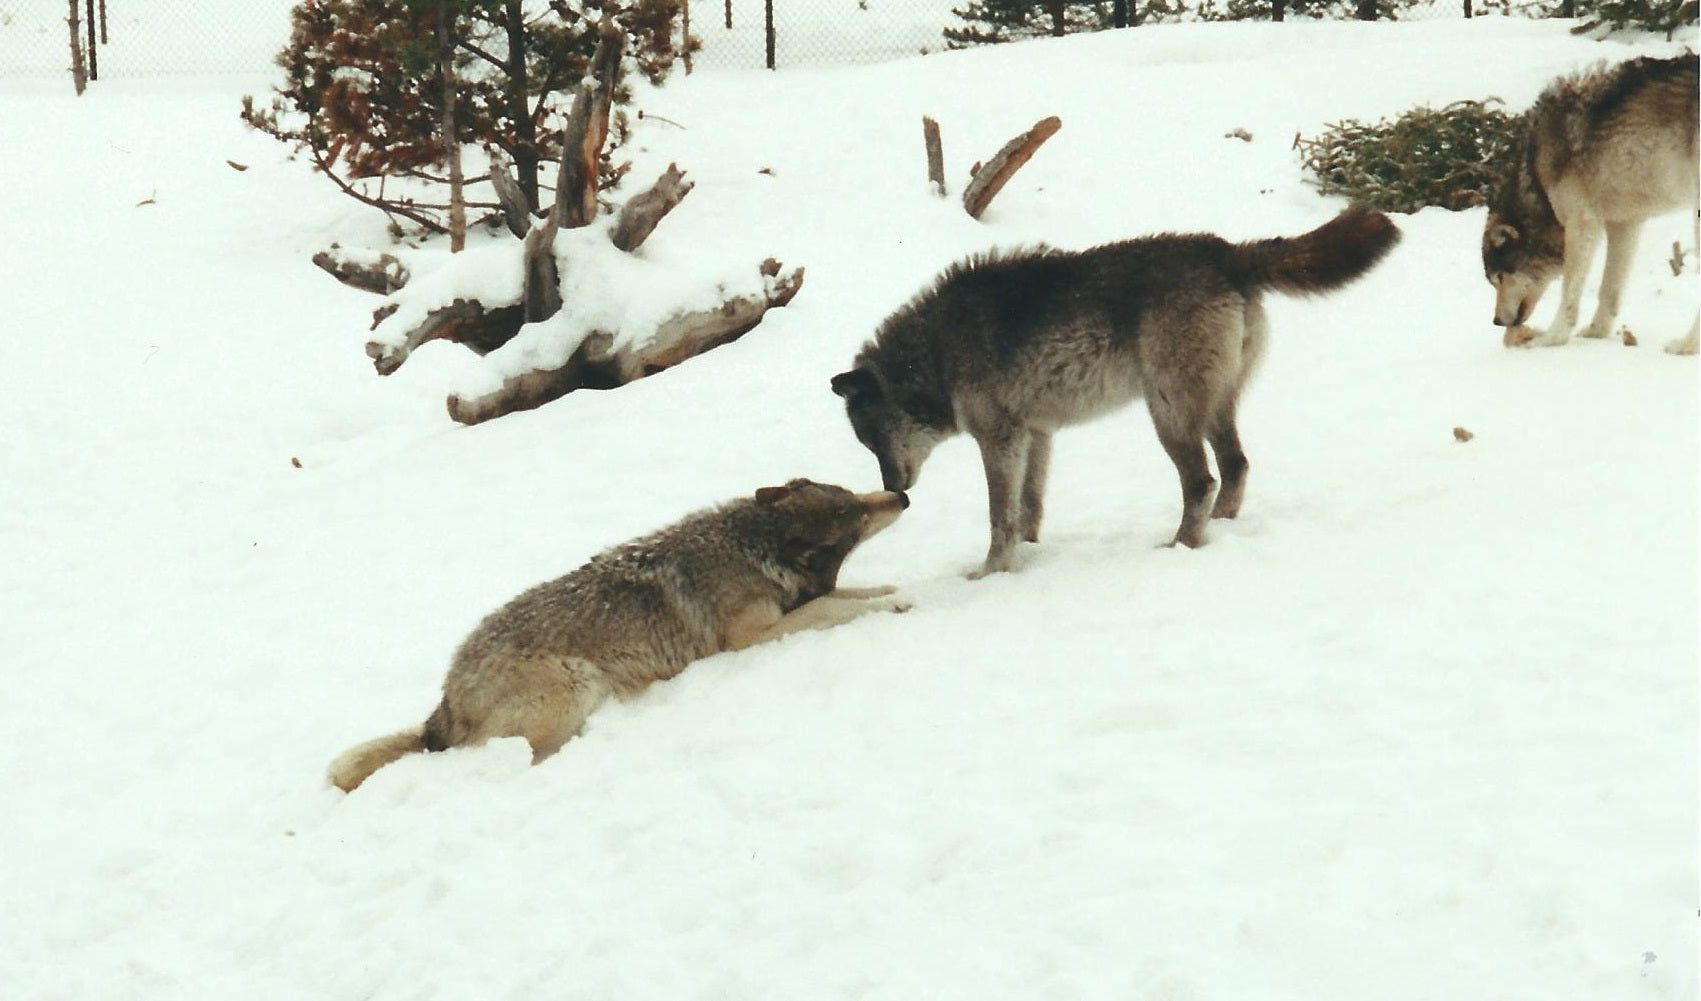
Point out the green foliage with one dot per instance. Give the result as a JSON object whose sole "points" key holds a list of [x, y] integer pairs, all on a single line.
{"points": [[1316, 10], [991, 21], [363, 93], [994, 21], [1451, 157], [1644, 15]]}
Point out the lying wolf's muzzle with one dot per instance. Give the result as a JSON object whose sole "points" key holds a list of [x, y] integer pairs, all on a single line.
{"points": [[883, 507]]}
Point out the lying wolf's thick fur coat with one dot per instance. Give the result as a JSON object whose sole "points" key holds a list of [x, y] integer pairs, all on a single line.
{"points": [[723, 579]]}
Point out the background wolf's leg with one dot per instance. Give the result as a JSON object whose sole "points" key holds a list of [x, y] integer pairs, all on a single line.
{"points": [[1033, 484], [1620, 251], [1004, 452], [1580, 239]]}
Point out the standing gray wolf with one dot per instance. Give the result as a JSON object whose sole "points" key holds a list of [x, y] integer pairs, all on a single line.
{"points": [[1599, 151], [1012, 346], [743, 573]]}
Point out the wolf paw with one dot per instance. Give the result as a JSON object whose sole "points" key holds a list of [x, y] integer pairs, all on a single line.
{"points": [[863, 593], [1681, 346], [1596, 331], [1520, 337]]}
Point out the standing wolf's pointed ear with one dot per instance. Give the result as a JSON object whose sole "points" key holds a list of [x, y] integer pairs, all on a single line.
{"points": [[1500, 234], [772, 495], [854, 383]]}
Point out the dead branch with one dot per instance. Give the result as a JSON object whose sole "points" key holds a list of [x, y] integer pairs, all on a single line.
{"points": [[935, 155], [990, 179], [638, 218], [383, 274]]}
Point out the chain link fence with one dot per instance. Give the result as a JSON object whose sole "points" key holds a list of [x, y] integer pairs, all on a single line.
{"points": [[142, 38], [154, 38]]}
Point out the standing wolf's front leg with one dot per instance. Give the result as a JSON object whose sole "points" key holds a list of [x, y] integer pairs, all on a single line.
{"points": [[1580, 238], [1004, 454]]}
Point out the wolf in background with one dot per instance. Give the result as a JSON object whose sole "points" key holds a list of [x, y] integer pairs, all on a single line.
{"points": [[1600, 151], [743, 573], [1010, 347]]}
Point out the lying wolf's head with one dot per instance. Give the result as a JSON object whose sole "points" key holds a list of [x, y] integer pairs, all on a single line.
{"points": [[818, 524], [899, 441]]}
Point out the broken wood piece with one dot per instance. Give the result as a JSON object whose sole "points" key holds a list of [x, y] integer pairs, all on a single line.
{"points": [[991, 178], [935, 155], [639, 216]]}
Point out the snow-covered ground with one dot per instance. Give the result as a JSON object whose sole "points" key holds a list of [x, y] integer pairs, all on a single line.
{"points": [[1421, 724]]}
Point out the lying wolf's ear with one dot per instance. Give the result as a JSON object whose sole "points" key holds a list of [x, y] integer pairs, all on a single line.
{"points": [[1500, 234], [772, 495], [855, 383]]}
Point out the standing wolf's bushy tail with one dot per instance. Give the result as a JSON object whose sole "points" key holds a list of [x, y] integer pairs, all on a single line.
{"points": [[1322, 260], [356, 764]]}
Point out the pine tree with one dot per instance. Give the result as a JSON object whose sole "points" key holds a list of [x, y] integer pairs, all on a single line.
{"points": [[365, 89], [1645, 15]]}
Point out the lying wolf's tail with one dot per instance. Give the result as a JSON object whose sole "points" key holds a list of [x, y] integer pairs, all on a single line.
{"points": [[1322, 260], [354, 765]]}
